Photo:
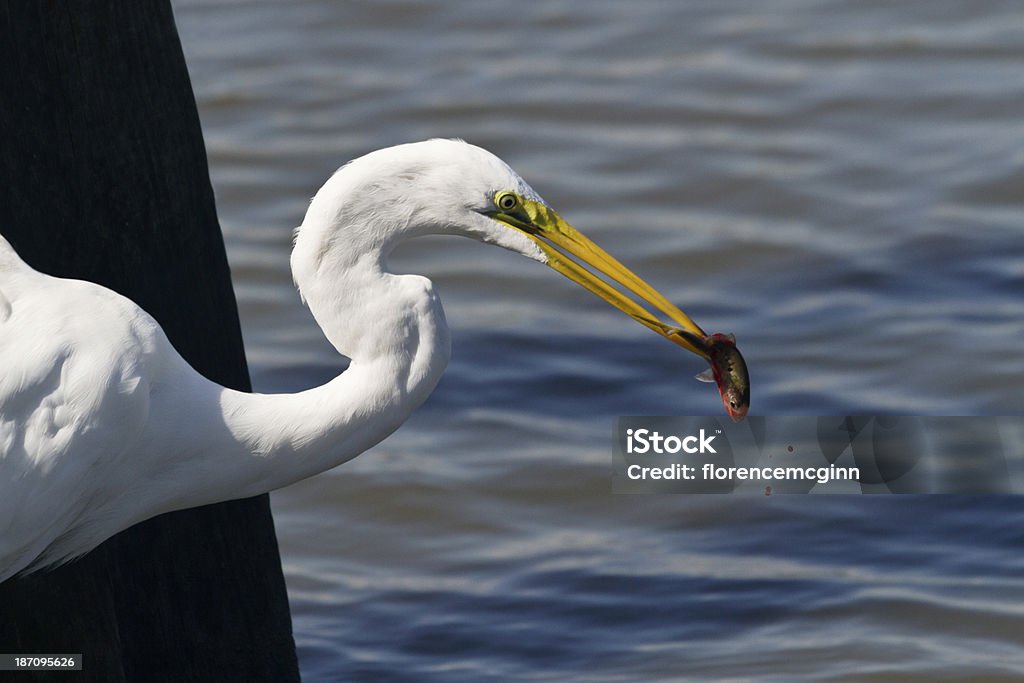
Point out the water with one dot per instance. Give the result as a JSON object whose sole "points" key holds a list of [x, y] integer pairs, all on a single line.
{"points": [[837, 183]]}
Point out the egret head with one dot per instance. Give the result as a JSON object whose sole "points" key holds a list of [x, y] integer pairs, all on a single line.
{"points": [[518, 219]]}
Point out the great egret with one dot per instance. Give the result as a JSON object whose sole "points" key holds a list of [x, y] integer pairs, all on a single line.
{"points": [[103, 424]]}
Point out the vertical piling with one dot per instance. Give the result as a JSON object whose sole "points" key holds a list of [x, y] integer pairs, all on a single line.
{"points": [[103, 177]]}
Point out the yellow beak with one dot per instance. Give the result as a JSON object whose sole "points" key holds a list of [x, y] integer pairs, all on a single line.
{"points": [[559, 240]]}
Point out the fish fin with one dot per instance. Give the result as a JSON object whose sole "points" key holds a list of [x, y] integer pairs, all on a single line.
{"points": [[706, 376]]}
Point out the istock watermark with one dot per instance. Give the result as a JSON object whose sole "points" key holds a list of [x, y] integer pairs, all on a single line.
{"points": [[649, 441], [844, 454]]}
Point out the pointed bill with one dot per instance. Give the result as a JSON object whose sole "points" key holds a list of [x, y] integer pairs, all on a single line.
{"points": [[572, 253], [559, 241]]}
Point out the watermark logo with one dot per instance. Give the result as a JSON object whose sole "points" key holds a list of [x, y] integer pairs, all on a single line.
{"points": [[839, 454], [651, 441]]}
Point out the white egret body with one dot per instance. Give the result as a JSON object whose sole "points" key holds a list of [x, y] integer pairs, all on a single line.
{"points": [[103, 424]]}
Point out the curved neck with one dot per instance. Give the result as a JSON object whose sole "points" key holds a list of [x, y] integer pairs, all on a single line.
{"points": [[392, 327]]}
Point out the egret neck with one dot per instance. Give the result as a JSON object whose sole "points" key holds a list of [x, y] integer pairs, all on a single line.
{"points": [[398, 351]]}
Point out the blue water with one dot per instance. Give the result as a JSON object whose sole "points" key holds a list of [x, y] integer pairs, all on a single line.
{"points": [[837, 183]]}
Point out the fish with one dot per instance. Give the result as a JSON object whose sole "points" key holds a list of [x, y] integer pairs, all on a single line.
{"points": [[729, 371]]}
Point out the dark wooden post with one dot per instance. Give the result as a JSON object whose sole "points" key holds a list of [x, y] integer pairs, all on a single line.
{"points": [[103, 177]]}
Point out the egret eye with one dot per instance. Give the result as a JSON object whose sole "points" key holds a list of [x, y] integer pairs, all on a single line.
{"points": [[506, 201]]}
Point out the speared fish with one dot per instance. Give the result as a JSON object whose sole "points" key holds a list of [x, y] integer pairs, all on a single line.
{"points": [[728, 370]]}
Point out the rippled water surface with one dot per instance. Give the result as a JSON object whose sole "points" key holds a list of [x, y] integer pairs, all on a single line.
{"points": [[839, 183]]}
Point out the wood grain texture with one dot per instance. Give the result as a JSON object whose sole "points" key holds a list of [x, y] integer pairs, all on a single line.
{"points": [[103, 177]]}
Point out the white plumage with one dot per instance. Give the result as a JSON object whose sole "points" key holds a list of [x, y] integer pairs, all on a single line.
{"points": [[103, 424]]}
